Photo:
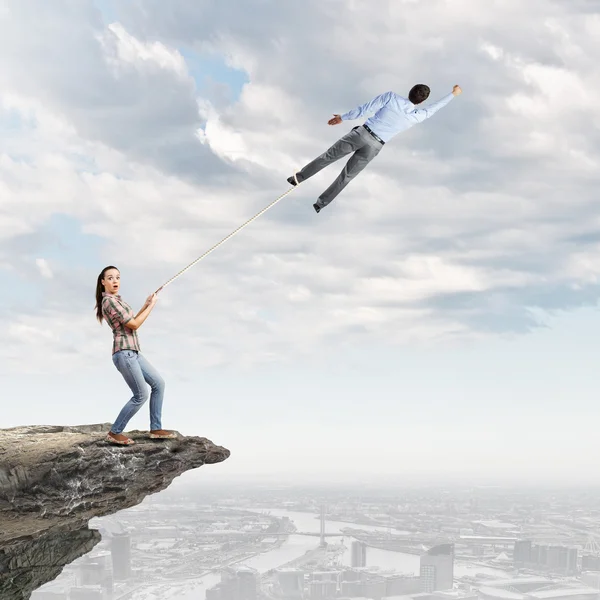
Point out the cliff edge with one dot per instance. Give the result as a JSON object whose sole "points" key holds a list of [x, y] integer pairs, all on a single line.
{"points": [[54, 479]]}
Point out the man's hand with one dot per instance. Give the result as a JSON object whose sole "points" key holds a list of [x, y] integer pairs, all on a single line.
{"points": [[335, 121], [456, 90]]}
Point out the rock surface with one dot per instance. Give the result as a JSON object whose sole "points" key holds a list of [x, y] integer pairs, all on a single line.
{"points": [[54, 479]]}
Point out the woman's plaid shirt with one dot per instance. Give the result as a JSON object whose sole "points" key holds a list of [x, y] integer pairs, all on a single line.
{"points": [[117, 312]]}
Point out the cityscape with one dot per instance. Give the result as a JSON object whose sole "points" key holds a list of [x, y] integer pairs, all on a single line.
{"points": [[223, 543]]}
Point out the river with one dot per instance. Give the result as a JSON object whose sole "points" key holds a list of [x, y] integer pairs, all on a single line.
{"points": [[296, 545]]}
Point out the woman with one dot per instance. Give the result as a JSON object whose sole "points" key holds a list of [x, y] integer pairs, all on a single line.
{"points": [[127, 357]]}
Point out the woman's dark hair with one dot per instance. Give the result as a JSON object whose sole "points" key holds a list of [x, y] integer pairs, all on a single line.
{"points": [[419, 93], [99, 290]]}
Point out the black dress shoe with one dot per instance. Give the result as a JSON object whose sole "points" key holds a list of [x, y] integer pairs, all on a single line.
{"points": [[316, 207], [292, 180]]}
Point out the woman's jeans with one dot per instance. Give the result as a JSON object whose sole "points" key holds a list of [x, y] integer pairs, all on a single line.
{"points": [[137, 371]]}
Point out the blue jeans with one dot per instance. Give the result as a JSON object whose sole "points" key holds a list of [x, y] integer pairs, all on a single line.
{"points": [[136, 371]]}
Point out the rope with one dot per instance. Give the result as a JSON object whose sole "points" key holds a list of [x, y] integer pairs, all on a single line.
{"points": [[264, 210]]}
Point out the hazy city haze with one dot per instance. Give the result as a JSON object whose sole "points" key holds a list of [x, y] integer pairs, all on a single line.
{"points": [[261, 541]]}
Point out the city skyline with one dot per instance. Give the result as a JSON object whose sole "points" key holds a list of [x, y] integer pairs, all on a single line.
{"points": [[427, 544]]}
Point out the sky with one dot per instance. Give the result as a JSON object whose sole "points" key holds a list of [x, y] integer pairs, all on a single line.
{"points": [[438, 320]]}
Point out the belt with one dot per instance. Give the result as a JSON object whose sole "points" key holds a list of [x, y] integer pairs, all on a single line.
{"points": [[374, 134]]}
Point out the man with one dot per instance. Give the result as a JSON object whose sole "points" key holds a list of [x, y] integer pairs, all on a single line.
{"points": [[393, 114]]}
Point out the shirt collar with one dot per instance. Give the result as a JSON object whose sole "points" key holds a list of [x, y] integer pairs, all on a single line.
{"points": [[111, 295]]}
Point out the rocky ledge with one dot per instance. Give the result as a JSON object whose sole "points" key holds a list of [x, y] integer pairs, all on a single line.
{"points": [[54, 479]]}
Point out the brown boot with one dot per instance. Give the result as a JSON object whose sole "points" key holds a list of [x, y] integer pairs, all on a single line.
{"points": [[161, 434], [119, 439]]}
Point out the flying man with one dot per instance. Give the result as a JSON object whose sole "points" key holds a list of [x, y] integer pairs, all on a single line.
{"points": [[393, 114]]}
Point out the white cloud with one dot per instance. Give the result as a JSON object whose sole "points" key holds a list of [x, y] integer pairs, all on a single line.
{"points": [[129, 50], [44, 267], [113, 89]]}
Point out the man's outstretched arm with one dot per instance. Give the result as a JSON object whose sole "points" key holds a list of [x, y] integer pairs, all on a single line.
{"points": [[420, 114], [367, 108]]}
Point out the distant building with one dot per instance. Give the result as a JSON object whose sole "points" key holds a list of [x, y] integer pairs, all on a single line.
{"points": [[325, 576], [323, 584], [542, 554], [590, 562], [591, 578], [291, 582], [494, 527], [352, 575], [558, 559], [322, 589], [350, 582], [121, 556], [358, 554], [555, 558], [95, 570], [215, 593], [572, 561], [237, 583], [351, 589], [522, 553], [374, 588], [537, 588], [247, 584], [437, 568], [396, 585]]}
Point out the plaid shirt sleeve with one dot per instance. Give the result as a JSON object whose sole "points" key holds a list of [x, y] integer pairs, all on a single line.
{"points": [[114, 312]]}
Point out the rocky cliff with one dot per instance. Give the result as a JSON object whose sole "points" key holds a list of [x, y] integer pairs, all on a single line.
{"points": [[53, 480]]}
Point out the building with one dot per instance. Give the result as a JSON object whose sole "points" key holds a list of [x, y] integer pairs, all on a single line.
{"points": [[353, 575], [240, 583], [591, 578], [555, 558], [351, 581], [247, 584], [374, 588], [322, 589], [522, 553], [437, 568], [542, 558], [532, 588], [215, 593], [572, 561], [397, 585], [494, 528], [291, 582], [359, 554], [323, 584], [120, 551], [590, 562], [237, 583], [96, 571]]}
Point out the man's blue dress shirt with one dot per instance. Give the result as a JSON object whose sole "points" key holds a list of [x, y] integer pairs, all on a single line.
{"points": [[394, 114]]}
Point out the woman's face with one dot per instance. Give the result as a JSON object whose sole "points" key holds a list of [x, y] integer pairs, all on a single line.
{"points": [[111, 281]]}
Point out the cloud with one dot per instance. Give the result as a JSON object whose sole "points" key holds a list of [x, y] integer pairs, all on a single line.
{"points": [[473, 223], [111, 88], [44, 267]]}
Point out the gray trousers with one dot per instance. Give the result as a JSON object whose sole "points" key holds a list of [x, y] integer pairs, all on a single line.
{"points": [[365, 148]]}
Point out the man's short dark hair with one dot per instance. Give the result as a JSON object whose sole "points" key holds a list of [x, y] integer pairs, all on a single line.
{"points": [[419, 93]]}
